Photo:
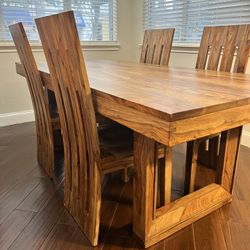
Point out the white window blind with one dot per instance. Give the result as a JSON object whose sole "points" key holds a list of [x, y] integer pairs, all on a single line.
{"points": [[188, 17], [96, 19]]}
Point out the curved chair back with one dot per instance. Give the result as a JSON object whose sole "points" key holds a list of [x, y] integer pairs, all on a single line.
{"points": [[44, 130], [82, 194]]}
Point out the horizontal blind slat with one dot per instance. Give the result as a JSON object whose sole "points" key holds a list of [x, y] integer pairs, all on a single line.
{"points": [[189, 17], [96, 19]]}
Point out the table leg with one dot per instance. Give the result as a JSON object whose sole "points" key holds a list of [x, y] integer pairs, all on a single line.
{"points": [[228, 158], [143, 184], [152, 224]]}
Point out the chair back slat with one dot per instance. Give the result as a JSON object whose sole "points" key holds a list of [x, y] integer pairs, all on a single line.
{"points": [[45, 143], [157, 46], [66, 64], [224, 48]]}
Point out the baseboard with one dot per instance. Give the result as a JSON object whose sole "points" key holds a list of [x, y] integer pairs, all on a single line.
{"points": [[7, 119]]}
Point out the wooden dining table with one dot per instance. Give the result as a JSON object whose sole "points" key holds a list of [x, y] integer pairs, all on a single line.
{"points": [[170, 106]]}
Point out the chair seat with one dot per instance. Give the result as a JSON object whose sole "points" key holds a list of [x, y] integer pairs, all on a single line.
{"points": [[116, 145]]}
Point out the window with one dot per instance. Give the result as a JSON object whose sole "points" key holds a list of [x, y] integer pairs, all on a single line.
{"points": [[188, 17], [96, 19]]}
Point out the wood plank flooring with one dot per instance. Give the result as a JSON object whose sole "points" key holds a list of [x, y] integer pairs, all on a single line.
{"points": [[32, 215]]}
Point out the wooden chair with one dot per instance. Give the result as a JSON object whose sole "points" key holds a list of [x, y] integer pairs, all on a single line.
{"points": [[223, 48], [156, 47], [45, 124], [87, 155]]}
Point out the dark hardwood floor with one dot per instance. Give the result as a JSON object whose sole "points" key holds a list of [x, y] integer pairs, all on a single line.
{"points": [[32, 215]]}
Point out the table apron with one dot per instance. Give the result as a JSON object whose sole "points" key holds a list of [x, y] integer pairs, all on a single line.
{"points": [[208, 124], [142, 122], [174, 132]]}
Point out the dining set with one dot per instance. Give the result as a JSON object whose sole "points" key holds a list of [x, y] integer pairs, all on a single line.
{"points": [[128, 117]]}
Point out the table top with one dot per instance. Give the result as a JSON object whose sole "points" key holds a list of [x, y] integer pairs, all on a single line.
{"points": [[172, 93]]}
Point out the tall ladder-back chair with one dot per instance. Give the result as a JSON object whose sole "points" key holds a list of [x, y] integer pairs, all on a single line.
{"points": [[85, 161], [45, 124], [223, 48], [156, 49]]}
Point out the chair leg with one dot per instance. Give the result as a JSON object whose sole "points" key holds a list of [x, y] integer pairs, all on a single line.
{"points": [[203, 154], [124, 175], [191, 166], [209, 158], [213, 152]]}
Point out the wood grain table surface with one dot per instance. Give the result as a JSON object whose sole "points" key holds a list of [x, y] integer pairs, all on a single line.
{"points": [[166, 97]]}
